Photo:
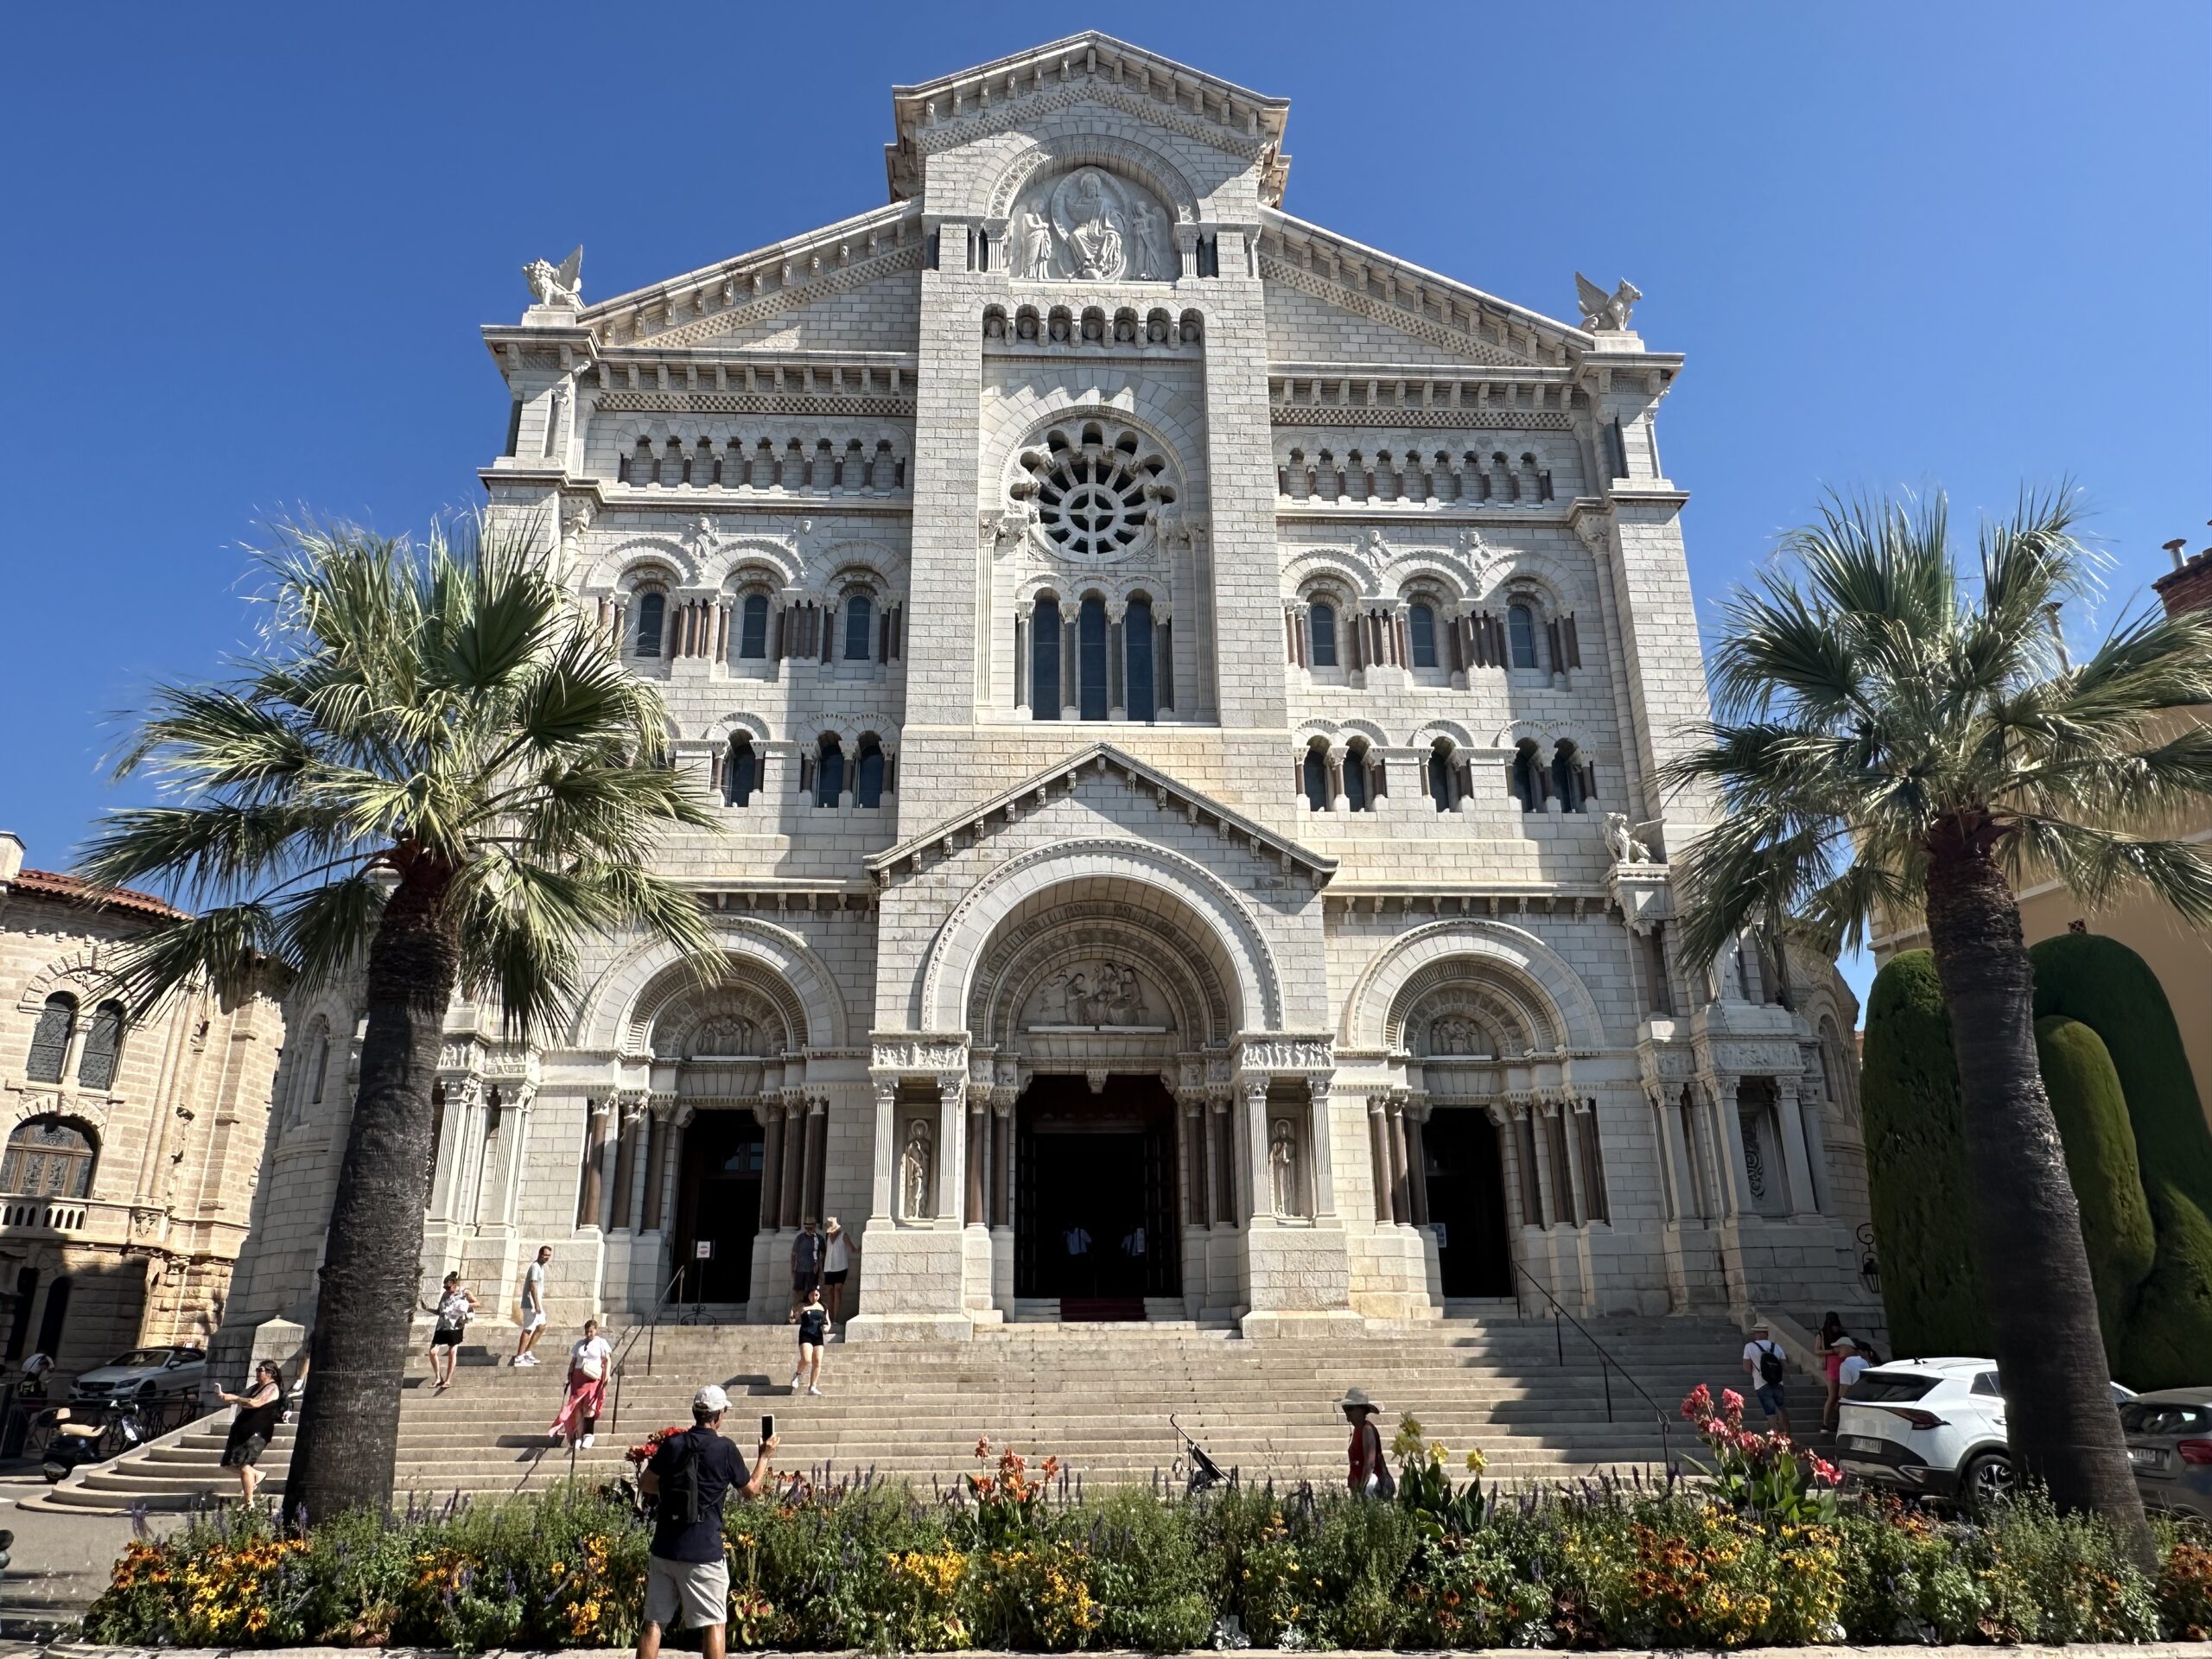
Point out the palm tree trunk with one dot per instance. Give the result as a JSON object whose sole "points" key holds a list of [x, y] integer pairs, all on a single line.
{"points": [[2062, 1426], [372, 1255]]}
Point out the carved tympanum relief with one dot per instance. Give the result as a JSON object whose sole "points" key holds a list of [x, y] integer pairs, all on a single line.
{"points": [[723, 1024], [1104, 995], [1090, 226]]}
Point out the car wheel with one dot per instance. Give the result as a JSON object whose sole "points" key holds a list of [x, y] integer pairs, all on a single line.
{"points": [[1986, 1479]]}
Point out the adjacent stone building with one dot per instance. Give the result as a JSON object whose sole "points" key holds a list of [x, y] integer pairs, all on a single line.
{"points": [[131, 1146], [1183, 690]]}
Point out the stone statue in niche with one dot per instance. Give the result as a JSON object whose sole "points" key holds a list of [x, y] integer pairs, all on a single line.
{"points": [[1087, 212], [559, 285], [1149, 235], [914, 1172], [1036, 261], [1626, 847], [1282, 1165]]}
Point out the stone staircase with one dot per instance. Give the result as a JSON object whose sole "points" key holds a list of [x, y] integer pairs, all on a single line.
{"points": [[1098, 1397]]}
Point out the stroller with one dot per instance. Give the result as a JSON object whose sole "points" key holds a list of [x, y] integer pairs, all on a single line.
{"points": [[1200, 1473]]}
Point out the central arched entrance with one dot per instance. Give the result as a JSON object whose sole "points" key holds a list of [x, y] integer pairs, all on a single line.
{"points": [[718, 1205], [1095, 1185]]}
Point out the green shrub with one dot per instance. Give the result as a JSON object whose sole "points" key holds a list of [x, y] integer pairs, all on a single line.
{"points": [[1916, 1166], [2092, 1115]]}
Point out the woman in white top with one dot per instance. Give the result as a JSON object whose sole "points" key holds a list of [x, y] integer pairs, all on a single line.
{"points": [[589, 1359], [838, 1251]]}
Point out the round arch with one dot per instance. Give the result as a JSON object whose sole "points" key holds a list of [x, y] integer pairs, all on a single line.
{"points": [[1064, 152], [1515, 959], [619, 1008]]}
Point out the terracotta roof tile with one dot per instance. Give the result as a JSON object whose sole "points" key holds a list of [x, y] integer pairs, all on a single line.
{"points": [[77, 890]]}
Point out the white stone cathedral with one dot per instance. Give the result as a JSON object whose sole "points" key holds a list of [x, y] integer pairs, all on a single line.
{"points": [[1182, 691]]}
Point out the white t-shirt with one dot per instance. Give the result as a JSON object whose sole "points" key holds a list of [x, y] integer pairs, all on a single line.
{"points": [[1753, 1349], [838, 1256], [452, 1309], [533, 1286], [589, 1356], [1847, 1373]]}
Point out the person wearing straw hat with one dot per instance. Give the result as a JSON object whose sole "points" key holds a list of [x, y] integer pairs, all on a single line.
{"points": [[1369, 1475]]}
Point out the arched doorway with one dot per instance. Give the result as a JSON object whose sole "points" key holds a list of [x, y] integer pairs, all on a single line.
{"points": [[718, 1205], [1464, 1170], [1095, 1180]]}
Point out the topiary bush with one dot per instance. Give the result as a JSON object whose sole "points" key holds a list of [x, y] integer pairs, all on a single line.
{"points": [[2092, 1114], [1916, 1165], [2107, 987]]}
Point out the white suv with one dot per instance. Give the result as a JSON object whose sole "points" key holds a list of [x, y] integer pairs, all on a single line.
{"points": [[1931, 1427]]}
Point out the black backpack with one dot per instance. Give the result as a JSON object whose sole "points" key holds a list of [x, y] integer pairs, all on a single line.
{"points": [[680, 1487], [1771, 1370]]}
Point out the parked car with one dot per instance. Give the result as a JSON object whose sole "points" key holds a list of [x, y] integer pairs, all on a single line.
{"points": [[2169, 1443], [1933, 1427], [143, 1374]]}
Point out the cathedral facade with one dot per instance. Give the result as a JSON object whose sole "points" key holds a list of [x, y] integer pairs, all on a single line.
{"points": [[1182, 691]]}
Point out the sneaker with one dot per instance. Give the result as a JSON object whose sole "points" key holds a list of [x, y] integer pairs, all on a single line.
{"points": [[526, 1359], [816, 1388], [794, 1382], [587, 1441]]}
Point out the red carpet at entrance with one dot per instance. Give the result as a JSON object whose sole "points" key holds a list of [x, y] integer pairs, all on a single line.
{"points": [[1093, 1310]]}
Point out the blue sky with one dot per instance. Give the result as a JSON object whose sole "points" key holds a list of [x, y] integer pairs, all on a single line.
{"points": [[247, 250]]}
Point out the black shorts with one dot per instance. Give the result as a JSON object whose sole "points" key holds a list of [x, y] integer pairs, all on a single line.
{"points": [[242, 1453], [836, 1278], [446, 1336]]}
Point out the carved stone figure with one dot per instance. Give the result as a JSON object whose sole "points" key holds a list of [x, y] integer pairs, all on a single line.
{"points": [[1603, 312], [1149, 235], [724, 1034], [1087, 212], [914, 1172], [561, 285], [1036, 262], [1282, 1165], [1626, 847]]}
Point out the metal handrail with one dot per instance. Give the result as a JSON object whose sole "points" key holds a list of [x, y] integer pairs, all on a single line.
{"points": [[620, 1361], [1607, 1364]]}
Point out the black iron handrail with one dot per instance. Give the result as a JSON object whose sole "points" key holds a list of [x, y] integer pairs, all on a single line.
{"points": [[1607, 1365], [621, 1360]]}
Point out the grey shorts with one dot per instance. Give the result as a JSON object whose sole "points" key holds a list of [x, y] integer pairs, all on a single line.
{"points": [[680, 1593]]}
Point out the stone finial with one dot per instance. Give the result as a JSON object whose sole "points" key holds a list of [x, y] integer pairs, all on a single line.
{"points": [[1603, 312]]}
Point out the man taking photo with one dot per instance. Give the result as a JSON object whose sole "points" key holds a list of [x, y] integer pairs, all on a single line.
{"points": [[687, 1580]]}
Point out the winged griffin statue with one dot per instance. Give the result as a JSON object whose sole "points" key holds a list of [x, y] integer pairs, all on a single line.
{"points": [[1602, 311], [563, 286]]}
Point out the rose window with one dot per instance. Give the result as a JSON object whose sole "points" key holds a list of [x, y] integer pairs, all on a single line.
{"points": [[1096, 489]]}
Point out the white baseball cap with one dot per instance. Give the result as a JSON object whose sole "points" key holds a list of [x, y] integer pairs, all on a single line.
{"points": [[710, 1400]]}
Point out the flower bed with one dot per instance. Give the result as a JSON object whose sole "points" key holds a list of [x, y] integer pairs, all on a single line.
{"points": [[1755, 1556]]}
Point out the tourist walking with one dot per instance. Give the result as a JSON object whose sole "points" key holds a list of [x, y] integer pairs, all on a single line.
{"points": [[259, 1408], [806, 1264], [1369, 1473], [533, 1308], [1768, 1367], [453, 1306], [813, 1331], [1831, 1358], [837, 1253], [588, 1358], [690, 1477]]}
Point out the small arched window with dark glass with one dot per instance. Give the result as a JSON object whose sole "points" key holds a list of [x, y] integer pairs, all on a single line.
{"points": [[752, 627], [1321, 635], [652, 614], [1420, 630], [740, 770], [48, 1157], [103, 1047], [1313, 776], [860, 627], [828, 769], [1443, 786], [867, 772], [57, 1024], [1521, 635], [1045, 658], [1091, 700], [1138, 697], [1528, 776], [1567, 778], [1358, 794]]}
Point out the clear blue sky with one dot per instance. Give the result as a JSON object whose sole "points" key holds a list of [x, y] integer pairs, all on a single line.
{"points": [[247, 250]]}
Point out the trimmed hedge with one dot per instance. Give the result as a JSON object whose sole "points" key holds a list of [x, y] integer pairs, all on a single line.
{"points": [[1916, 1166], [2092, 1114]]}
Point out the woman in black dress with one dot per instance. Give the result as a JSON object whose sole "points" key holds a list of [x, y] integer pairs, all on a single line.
{"points": [[259, 1408]]}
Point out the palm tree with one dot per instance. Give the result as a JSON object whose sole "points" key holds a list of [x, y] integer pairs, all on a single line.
{"points": [[1892, 734], [432, 771]]}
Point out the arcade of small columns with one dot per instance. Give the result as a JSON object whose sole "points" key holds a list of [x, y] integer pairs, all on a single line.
{"points": [[629, 1186], [1117, 653], [1546, 1145]]}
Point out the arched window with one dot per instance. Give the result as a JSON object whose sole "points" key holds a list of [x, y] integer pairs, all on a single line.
{"points": [[652, 609], [1316, 777], [57, 1024], [319, 1066], [1090, 659], [48, 1157], [1420, 624], [741, 772], [860, 624], [1442, 788], [1521, 635], [752, 627], [1321, 635], [828, 771], [1528, 776], [1137, 697], [1566, 778], [103, 1047], [1356, 791], [1045, 658], [867, 774]]}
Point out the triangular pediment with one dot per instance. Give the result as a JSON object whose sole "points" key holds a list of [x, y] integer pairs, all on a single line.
{"points": [[1104, 763]]}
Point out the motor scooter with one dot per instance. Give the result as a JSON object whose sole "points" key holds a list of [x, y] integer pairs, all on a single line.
{"points": [[74, 1440]]}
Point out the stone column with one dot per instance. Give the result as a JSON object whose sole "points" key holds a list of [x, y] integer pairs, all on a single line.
{"points": [[951, 1144], [1003, 1157], [656, 1126], [772, 1165], [1416, 1113], [884, 1188], [978, 1152], [1378, 1149], [1191, 1107], [818, 1137], [1729, 1126], [1796, 1148], [1319, 1155], [588, 1198], [1222, 1161], [794, 1105], [625, 1165], [1401, 1195], [1253, 1091]]}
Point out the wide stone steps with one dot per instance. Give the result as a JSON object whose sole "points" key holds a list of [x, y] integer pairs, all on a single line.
{"points": [[1097, 1397]]}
